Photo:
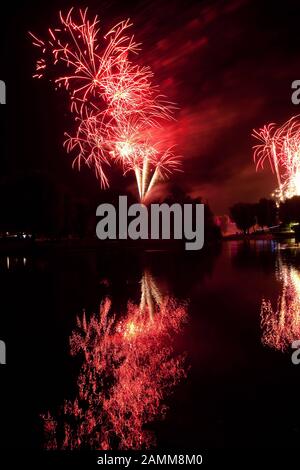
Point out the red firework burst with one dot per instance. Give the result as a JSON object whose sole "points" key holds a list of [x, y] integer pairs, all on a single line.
{"points": [[281, 147], [115, 106]]}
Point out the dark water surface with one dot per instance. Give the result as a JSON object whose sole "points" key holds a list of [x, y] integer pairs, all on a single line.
{"points": [[222, 374]]}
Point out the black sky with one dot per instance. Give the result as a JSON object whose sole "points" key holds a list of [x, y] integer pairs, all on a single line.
{"points": [[228, 65]]}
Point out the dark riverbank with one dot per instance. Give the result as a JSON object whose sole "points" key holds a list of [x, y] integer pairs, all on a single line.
{"points": [[261, 236], [19, 246]]}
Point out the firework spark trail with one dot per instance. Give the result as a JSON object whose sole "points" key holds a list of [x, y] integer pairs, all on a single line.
{"points": [[281, 147], [115, 106], [267, 150]]}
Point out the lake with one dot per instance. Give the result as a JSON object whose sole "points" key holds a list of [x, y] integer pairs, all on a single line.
{"points": [[153, 349]]}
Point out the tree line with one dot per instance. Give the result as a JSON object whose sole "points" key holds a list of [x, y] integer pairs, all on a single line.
{"points": [[265, 213]]}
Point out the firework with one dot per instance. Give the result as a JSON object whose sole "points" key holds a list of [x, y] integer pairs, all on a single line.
{"points": [[115, 106], [280, 146]]}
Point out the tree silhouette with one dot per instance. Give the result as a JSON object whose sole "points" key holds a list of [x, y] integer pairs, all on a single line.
{"points": [[289, 210], [266, 212], [243, 214]]}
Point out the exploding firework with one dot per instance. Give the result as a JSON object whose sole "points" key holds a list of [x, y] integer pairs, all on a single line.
{"points": [[281, 148], [115, 106]]}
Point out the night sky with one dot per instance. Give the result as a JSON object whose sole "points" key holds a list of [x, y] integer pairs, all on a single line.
{"points": [[229, 66]]}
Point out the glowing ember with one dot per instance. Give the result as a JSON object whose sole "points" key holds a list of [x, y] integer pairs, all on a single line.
{"points": [[116, 107], [129, 367], [281, 147]]}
